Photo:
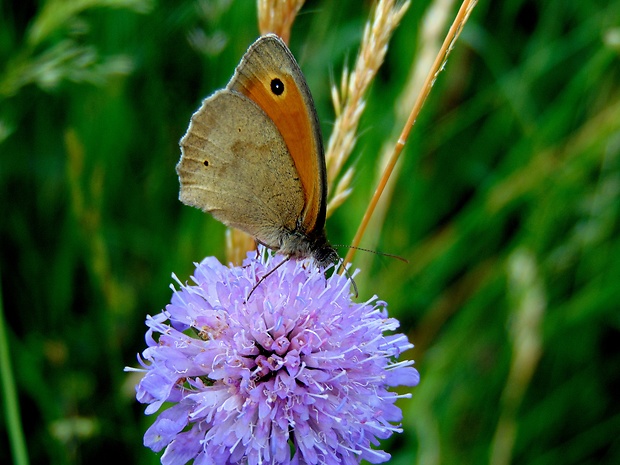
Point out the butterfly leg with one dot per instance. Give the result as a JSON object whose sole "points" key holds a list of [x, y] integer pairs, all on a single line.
{"points": [[269, 273]]}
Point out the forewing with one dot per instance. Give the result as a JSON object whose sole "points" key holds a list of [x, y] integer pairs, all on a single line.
{"points": [[293, 111], [235, 165]]}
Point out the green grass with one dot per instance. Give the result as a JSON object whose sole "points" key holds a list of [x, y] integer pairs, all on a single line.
{"points": [[507, 208]]}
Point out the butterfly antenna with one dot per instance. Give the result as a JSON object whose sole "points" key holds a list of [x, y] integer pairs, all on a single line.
{"points": [[269, 273], [376, 252]]}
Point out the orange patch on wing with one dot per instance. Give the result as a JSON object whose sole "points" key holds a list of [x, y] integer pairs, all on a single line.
{"points": [[292, 117]]}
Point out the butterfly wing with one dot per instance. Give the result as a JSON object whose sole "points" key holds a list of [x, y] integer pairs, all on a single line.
{"points": [[270, 77], [235, 165]]}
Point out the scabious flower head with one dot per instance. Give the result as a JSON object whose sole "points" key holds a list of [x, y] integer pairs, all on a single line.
{"points": [[299, 374]]}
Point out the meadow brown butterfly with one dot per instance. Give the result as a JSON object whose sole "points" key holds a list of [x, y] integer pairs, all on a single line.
{"points": [[253, 155]]}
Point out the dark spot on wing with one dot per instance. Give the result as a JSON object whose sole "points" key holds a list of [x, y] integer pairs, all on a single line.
{"points": [[277, 86]]}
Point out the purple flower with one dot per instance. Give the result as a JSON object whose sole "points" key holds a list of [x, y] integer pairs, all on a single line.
{"points": [[297, 375]]}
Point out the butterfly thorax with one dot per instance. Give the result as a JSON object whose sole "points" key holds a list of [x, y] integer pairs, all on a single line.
{"points": [[299, 245]]}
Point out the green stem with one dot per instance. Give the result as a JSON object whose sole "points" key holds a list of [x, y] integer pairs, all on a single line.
{"points": [[9, 394]]}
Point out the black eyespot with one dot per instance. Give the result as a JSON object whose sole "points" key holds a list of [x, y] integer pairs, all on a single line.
{"points": [[277, 86], [206, 163]]}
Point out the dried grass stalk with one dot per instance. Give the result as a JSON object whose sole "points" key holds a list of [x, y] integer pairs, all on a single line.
{"points": [[238, 244], [438, 66], [277, 16], [433, 25], [349, 100]]}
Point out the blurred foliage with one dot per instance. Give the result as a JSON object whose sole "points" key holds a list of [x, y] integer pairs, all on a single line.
{"points": [[507, 210]]}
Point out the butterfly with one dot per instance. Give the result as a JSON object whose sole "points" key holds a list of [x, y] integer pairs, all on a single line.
{"points": [[253, 156]]}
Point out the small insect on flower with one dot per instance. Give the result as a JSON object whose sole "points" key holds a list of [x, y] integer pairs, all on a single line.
{"points": [[298, 374]]}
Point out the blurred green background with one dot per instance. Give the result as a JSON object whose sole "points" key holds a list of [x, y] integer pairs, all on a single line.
{"points": [[507, 208]]}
